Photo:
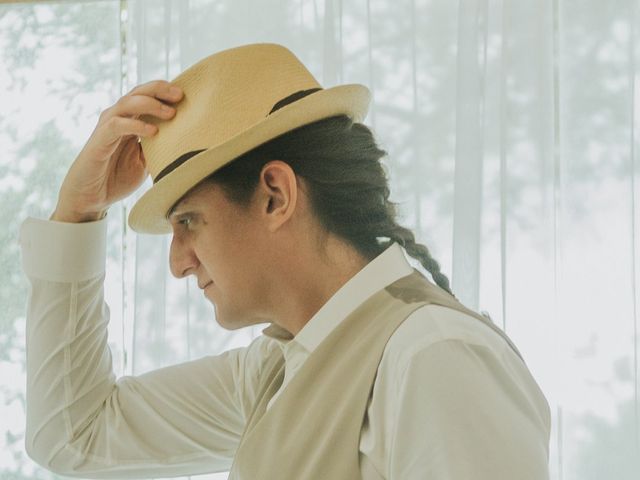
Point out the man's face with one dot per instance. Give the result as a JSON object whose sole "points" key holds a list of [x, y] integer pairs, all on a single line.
{"points": [[218, 243]]}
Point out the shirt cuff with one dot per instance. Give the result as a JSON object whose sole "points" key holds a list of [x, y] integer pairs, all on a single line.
{"points": [[63, 252]]}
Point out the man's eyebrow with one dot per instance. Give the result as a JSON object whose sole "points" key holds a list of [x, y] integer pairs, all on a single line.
{"points": [[172, 211], [184, 212]]}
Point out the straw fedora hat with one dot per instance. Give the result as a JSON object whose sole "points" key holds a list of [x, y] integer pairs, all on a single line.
{"points": [[233, 101]]}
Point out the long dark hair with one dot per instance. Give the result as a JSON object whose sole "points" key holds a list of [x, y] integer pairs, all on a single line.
{"points": [[348, 189]]}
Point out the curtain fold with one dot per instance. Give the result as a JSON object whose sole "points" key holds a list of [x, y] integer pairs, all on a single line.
{"points": [[468, 153]]}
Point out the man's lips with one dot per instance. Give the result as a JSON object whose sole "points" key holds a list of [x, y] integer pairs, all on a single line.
{"points": [[206, 284]]}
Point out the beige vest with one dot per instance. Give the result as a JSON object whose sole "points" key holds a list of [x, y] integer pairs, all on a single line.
{"points": [[312, 431]]}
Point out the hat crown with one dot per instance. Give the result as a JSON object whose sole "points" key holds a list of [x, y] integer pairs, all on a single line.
{"points": [[233, 101], [224, 94]]}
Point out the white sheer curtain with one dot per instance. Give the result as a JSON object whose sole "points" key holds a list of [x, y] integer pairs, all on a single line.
{"points": [[513, 144]]}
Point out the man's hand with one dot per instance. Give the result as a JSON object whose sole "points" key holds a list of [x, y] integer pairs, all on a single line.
{"points": [[111, 165]]}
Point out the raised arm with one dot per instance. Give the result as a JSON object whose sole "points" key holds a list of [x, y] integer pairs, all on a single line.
{"points": [[183, 419]]}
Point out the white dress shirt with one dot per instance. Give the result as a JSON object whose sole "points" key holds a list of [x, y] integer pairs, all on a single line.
{"points": [[451, 400]]}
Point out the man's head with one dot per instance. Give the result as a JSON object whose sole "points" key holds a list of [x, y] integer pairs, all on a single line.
{"points": [[233, 101], [249, 258], [281, 228]]}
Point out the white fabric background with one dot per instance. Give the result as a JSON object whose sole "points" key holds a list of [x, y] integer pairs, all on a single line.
{"points": [[513, 139]]}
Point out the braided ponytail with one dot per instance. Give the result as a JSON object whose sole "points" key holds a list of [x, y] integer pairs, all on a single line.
{"points": [[420, 252], [347, 185]]}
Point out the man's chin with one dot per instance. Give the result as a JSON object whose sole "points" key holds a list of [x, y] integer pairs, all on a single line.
{"points": [[227, 324]]}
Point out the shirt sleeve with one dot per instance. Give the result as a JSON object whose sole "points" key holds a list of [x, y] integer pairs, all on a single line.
{"points": [[184, 419], [462, 413]]}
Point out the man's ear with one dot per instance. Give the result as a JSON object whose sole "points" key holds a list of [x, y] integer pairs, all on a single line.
{"points": [[279, 193]]}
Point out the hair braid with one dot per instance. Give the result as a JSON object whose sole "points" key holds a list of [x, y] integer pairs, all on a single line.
{"points": [[420, 252], [348, 185]]}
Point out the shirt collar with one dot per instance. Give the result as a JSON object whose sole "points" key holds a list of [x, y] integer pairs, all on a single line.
{"points": [[383, 270]]}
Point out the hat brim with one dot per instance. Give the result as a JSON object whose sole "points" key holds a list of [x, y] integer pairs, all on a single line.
{"points": [[148, 215]]}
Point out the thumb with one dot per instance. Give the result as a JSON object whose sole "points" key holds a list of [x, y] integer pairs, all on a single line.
{"points": [[142, 159]]}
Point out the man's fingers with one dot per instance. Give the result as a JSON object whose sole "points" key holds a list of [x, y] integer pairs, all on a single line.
{"points": [[161, 89], [135, 106], [118, 127]]}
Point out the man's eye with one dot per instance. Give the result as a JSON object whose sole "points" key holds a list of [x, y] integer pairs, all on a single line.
{"points": [[185, 221]]}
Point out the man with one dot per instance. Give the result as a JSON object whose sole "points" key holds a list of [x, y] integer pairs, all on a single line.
{"points": [[275, 198]]}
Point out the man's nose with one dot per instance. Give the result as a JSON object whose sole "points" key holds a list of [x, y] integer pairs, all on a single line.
{"points": [[182, 259]]}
